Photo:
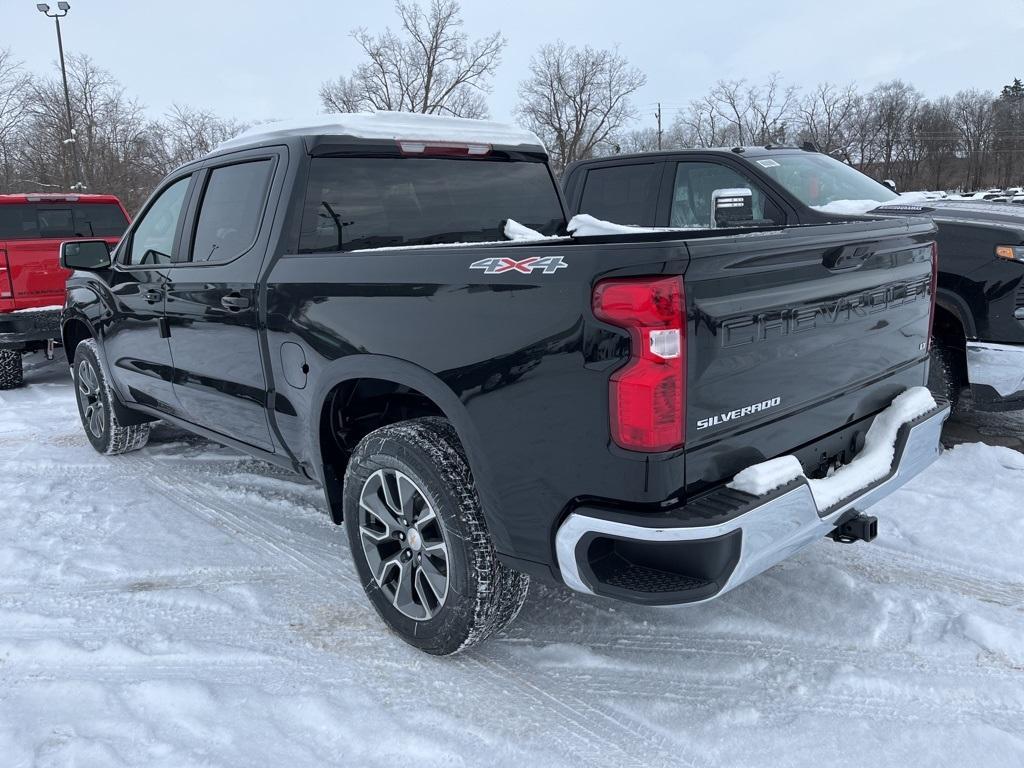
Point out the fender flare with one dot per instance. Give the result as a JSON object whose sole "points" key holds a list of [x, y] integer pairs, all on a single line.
{"points": [[367, 366], [75, 315], [127, 416]]}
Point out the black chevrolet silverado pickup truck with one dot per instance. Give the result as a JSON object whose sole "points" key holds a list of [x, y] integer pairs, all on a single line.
{"points": [[650, 416], [979, 318]]}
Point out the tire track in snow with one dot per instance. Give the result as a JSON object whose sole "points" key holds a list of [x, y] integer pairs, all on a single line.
{"points": [[595, 738], [573, 716], [259, 533], [900, 568]]}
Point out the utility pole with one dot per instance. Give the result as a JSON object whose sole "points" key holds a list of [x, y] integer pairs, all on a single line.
{"points": [[658, 115], [64, 7]]}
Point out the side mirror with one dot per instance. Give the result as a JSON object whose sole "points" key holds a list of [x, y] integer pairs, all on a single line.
{"points": [[890, 184], [85, 254], [731, 206]]}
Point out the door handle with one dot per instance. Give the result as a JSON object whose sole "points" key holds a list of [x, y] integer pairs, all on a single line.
{"points": [[234, 302], [152, 297]]}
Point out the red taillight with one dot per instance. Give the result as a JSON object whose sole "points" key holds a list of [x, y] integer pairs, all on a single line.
{"points": [[6, 281], [935, 290], [647, 395]]}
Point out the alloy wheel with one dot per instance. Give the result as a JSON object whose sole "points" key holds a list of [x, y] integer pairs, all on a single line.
{"points": [[404, 544], [89, 397]]}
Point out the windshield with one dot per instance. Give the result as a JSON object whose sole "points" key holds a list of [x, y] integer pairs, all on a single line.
{"points": [[823, 182], [373, 202]]}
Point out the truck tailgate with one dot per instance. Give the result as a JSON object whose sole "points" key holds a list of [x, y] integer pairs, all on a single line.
{"points": [[35, 272], [794, 335]]}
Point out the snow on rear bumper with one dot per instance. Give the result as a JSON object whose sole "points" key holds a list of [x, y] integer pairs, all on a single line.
{"points": [[638, 558], [19, 328]]}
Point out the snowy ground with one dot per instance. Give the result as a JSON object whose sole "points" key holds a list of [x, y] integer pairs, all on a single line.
{"points": [[185, 606]]}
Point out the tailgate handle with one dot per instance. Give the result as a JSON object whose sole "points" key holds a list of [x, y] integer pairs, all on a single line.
{"points": [[846, 257], [152, 297]]}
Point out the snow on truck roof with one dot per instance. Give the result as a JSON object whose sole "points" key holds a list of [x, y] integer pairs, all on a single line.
{"points": [[389, 125]]}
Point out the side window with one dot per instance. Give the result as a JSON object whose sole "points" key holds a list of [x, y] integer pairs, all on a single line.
{"points": [[625, 194], [230, 212], [153, 238], [694, 184]]}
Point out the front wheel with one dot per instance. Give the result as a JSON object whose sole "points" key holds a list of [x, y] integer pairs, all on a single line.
{"points": [[11, 372], [102, 427], [419, 541]]}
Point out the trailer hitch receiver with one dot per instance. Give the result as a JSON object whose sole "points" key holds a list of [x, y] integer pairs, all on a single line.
{"points": [[857, 528]]}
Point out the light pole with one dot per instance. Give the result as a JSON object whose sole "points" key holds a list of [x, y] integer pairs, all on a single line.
{"points": [[63, 9]]}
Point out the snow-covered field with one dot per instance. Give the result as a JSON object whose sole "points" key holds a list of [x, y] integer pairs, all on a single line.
{"points": [[186, 606]]}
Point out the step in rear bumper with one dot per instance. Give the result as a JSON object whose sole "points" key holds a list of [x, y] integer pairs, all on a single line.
{"points": [[593, 546], [18, 328]]}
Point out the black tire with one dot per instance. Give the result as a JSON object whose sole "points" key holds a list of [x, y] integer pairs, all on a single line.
{"points": [[946, 373], [482, 596], [12, 375], [92, 388]]}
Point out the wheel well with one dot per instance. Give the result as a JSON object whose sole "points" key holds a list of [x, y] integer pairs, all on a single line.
{"points": [[354, 409], [948, 331], [72, 334]]}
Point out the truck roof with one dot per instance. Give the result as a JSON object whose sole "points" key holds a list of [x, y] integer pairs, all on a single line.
{"points": [[396, 126], [21, 198], [747, 151]]}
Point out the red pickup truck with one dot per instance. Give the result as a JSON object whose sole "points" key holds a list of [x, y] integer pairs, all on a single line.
{"points": [[32, 227]]}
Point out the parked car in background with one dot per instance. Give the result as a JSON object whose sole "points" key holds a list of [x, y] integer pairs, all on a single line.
{"points": [[389, 304], [32, 227], [979, 320]]}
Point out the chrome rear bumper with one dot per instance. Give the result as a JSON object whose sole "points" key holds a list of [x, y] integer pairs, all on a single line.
{"points": [[1000, 366], [769, 529]]}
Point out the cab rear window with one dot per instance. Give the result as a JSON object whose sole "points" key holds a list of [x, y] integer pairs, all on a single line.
{"points": [[357, 202], [34, 221]]}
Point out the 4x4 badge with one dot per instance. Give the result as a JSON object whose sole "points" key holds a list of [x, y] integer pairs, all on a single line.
{"points": [[499, 264]]}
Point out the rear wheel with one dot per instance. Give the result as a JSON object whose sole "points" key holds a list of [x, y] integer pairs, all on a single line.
{"points": [[11, 373], [419, 541], [946, 373], [102, 427]]}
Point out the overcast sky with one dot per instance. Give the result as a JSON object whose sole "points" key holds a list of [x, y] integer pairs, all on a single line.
{"points": [[266, 58]]}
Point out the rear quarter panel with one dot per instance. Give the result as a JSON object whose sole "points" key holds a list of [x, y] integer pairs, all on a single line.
{"points": [[519, 362]]}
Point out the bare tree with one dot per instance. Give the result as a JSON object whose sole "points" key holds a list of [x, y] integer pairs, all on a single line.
{"points": [[577, 99], [737, 113], [728, 102], [826, 116], [770, 110], [937, 142], [973, 119], [895, 105], [700, 125], [187, 133], [15, 84], [114, 139], [640, 140], [430, 66]]}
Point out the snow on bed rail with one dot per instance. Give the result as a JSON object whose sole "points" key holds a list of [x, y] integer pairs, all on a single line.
{"points": [[585, 225], [390, 125], [869, 466], [521, 233]]}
